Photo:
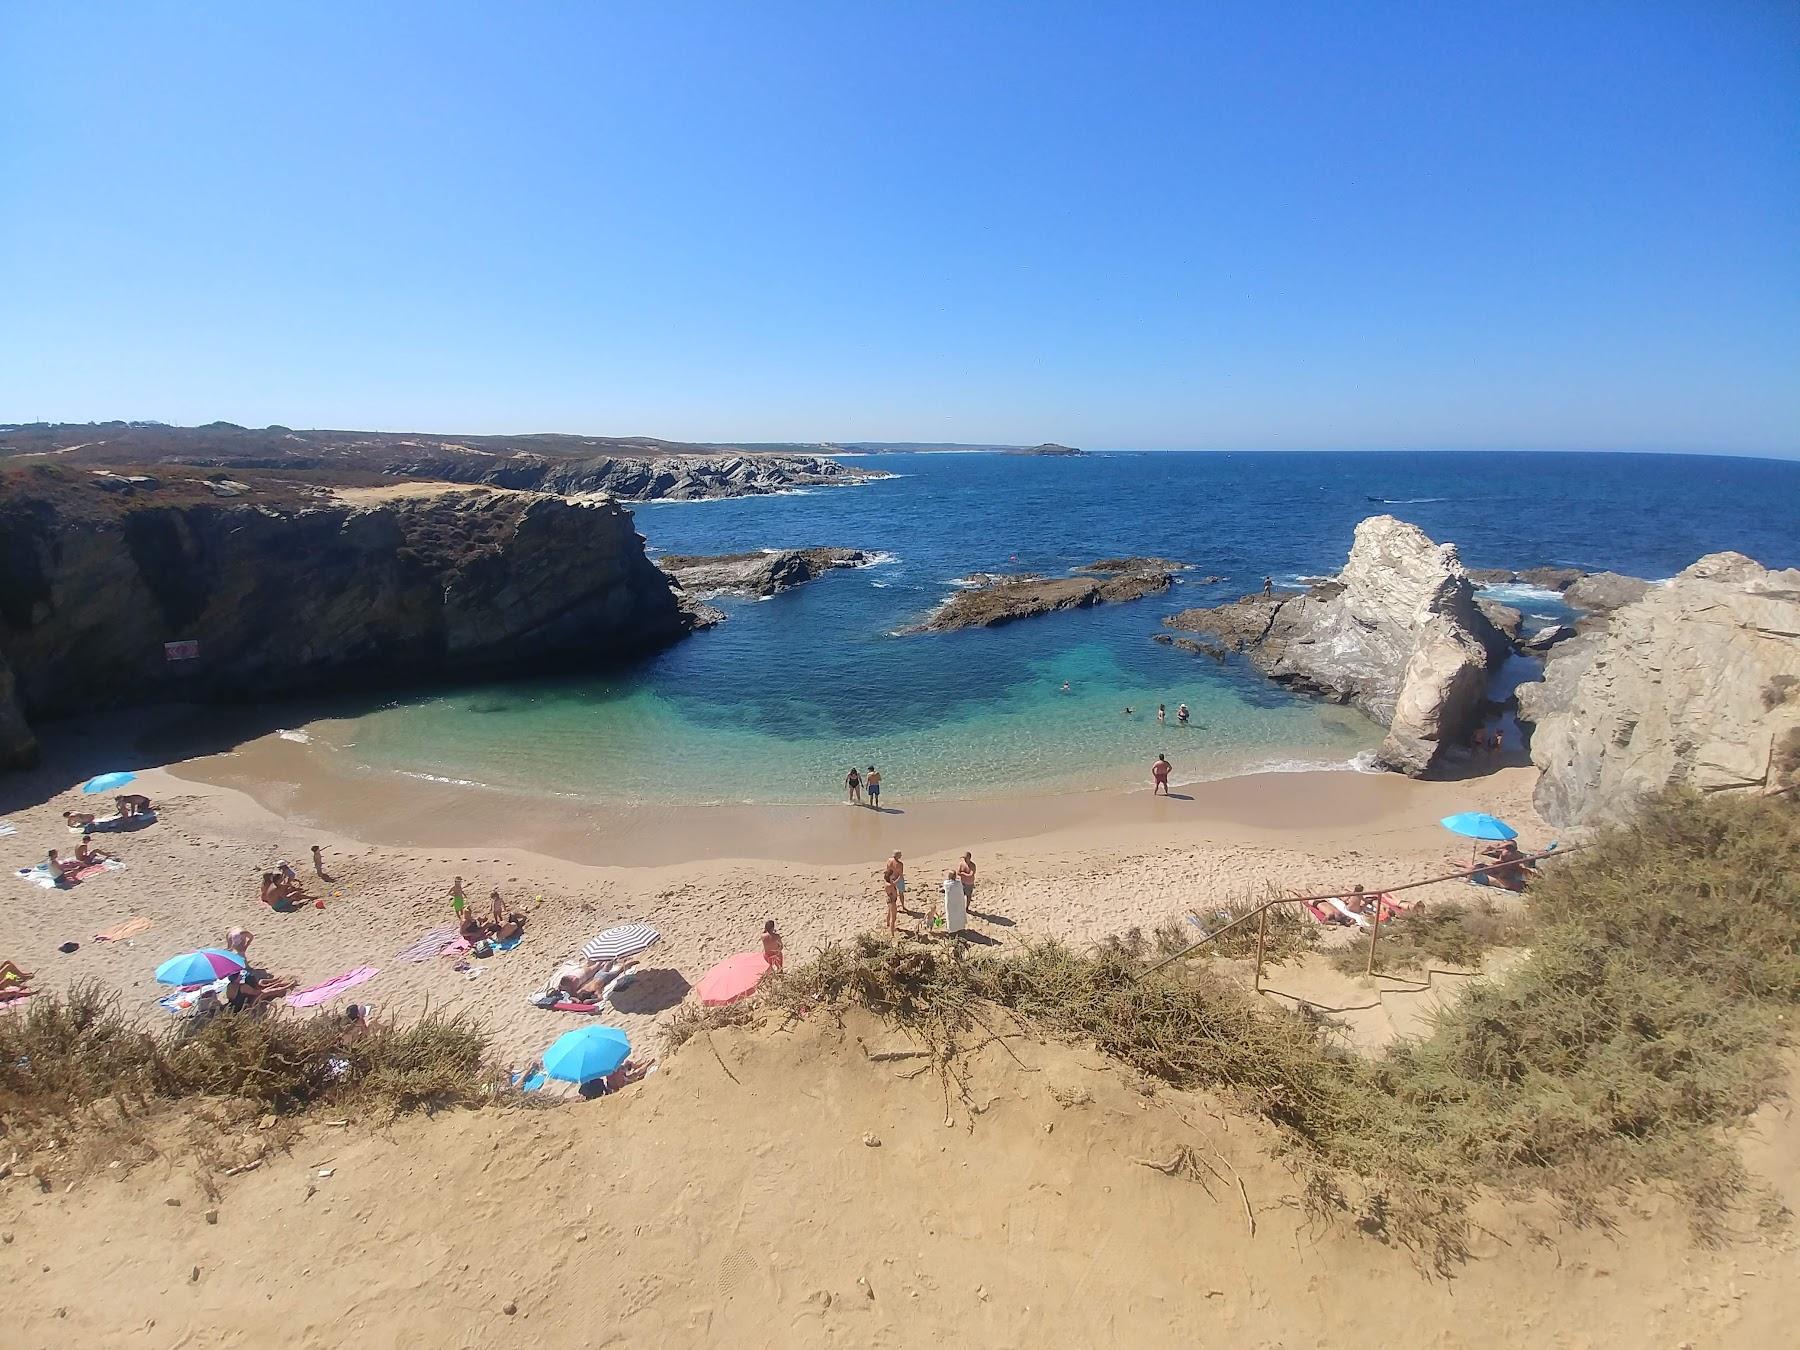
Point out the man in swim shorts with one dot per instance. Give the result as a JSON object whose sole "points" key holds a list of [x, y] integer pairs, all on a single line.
{"points": [[872, 781], [893, 877], [1159, 776]]}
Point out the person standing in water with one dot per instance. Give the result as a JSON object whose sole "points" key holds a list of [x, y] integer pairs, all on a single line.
{"points": [[1162, 715], [853, 786], [872, 781], [1159, 776], [1181, 714]]}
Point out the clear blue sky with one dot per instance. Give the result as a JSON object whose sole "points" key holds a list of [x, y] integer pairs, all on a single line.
{"points": [[1571, 224]]}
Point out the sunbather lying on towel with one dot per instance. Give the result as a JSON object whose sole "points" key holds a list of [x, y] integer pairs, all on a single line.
{"points": [[627, 1073], [78, 820], [587, 981]]}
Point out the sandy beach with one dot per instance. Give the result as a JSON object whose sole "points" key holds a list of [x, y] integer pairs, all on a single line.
{"points": [[1077, 867]]}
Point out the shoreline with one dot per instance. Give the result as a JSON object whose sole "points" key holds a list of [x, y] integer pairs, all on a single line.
{"points": [[317, 787], [1076, 868]]}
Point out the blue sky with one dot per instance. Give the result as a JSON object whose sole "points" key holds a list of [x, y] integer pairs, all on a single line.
{"points": [[1257, 225]]}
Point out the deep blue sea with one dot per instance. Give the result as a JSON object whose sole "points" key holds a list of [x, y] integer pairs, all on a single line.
{"points": [[775, 703]]}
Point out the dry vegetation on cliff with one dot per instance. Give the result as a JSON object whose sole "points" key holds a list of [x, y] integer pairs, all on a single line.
{"points": [[1649, 1014]]}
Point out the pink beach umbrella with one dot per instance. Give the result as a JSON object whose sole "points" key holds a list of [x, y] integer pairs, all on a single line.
{"points": [[733, 978]]}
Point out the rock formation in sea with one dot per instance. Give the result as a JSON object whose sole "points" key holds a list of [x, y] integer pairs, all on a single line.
{"points": [[1600, 593], [1114, 566], [1397, 634], [174, 594], [759, 573], [1696, 682], [998, 598]]}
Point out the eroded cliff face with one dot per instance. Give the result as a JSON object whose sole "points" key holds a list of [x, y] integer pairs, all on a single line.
{"points": [[1697, 682], [1397, 634], [18, 747], [283, 596]]}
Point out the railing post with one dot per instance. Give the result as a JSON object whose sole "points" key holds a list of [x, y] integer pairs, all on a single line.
{"points": [[1374, 937], [1262, 935]]}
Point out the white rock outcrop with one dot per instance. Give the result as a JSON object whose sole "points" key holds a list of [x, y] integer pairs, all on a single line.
{"points": [[1697, 683], [1397, 634]]}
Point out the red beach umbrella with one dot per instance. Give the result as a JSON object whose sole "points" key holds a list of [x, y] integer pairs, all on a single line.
{"points": [[733, 978]]}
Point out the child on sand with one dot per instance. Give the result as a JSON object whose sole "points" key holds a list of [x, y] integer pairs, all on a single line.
{"points": [[457, 899], [771, 943], [318, 856]]}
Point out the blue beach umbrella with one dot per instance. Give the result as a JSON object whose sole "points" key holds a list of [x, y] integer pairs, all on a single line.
{"points": [[106, 782], [1478, 825], [586, 1053], [199, 967]]}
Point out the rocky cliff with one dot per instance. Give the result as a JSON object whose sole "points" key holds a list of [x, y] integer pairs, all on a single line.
{"points": [[1397, 634], [287, 590], [759, 574], [663, 478], [1697, 682]]}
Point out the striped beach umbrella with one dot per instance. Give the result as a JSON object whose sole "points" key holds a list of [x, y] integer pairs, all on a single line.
{"points": [[627, 939], [199, 967]]}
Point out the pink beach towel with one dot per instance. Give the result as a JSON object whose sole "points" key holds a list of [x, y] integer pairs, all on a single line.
{"points": [[428, 945], [319, 993]]}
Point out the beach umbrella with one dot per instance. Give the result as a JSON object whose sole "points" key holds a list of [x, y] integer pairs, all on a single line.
{"points": [[1478, 825], [107, 782], [733, 978], [586, 1053], [199, 967], [626, 940]]}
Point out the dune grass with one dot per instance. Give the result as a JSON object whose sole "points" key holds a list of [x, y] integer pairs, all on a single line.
{"points": [[1452, 935], [1649, 1013], [60, 1055]]}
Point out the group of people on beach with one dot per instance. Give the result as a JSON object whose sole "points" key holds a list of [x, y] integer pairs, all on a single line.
{"points": [[66, 871], [856, 784], [500, 924], [282, 888], [958, 891]]}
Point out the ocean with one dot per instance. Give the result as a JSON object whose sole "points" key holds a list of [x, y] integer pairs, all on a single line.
{"points": [[777, 702]]}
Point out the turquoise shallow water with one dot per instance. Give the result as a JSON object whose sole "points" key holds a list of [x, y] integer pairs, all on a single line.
{"points": [[774, 704]]}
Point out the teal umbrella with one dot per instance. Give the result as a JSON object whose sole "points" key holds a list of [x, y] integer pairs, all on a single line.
{"points": [[107, 782], [586, 1053], [1478, 825]]}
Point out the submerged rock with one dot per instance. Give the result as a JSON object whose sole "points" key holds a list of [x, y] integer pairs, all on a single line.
{"points": [[1396, 634], [703, 575], [1004, 599], [1696, 683]]}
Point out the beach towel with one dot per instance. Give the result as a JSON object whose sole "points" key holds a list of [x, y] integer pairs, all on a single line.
{"points": [[7, 827], [427, 945], [331, 988], [107, 824], [1326, 915], [95, 869], [509, 943], [120, 931], [454, 947], [36, 876], [182, 1001]]}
